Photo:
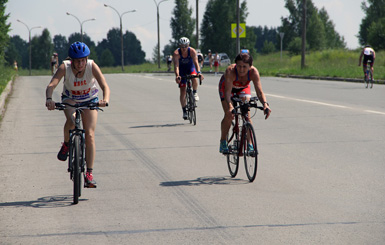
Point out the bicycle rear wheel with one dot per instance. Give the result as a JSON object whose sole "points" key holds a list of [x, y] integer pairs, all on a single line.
{"points": [[76, 168], [371, 78], [250, 153], [233, 155], [366, 80]]}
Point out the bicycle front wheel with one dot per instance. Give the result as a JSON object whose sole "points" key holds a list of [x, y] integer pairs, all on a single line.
{"points": [[250, 152], [233, 155], [191, 108], [76, 168]]}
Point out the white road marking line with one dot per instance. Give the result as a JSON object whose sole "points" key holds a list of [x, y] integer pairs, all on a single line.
{"points": [[375, 112], [322, 103]]}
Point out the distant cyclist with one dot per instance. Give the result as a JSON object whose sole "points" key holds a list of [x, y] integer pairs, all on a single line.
{"points": [[81, 77], [186, 63], [54, 62], [236, 81], [369, 55]]}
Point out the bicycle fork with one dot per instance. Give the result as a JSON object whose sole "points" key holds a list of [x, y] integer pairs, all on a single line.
{"points": [[73, 134]]}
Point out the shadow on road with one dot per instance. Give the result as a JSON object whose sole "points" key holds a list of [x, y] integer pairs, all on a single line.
{"points": [[44, 202], [214, 180], [160, 126]]}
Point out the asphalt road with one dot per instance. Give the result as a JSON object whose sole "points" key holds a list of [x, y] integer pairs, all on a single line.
{"points": [[321, 175]]}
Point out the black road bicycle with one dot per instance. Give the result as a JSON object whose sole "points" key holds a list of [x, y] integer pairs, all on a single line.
{"points": [[241, 139], [368, 76], [190, 100], [76, 160]]}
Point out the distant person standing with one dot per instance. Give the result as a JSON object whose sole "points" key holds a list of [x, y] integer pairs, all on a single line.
{"points": [[216, 63], [15, 65], [200, 58], [369, 56], [210, 55], [54, 63], [169, 61]]}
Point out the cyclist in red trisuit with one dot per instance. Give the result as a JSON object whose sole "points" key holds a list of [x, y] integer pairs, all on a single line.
{"points": [[236, 81]]}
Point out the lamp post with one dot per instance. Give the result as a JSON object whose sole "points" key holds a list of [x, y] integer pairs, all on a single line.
{"points": [[29, 35], [157, 18], [121, 30], [281, 34], [81, 24]]}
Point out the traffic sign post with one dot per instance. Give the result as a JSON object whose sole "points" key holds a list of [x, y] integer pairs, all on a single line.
{"points": [[242, 30]]}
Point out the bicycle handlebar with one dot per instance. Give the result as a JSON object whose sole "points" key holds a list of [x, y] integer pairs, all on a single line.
{"points": [[193, 76], [245, 105], [91, 106]]}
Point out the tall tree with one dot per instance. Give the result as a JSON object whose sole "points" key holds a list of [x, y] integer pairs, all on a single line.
{"points": [[60, 46], [375, 13], [42, 48], [4, 29], [216, 27], [320, 31], [133, 53], [17, 50], [182, 24]]}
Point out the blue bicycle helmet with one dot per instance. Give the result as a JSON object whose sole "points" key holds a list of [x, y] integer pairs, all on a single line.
{"points": [[78, 50]]}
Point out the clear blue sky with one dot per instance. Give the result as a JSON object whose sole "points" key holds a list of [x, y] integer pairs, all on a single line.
{"points": [[51, 14]]}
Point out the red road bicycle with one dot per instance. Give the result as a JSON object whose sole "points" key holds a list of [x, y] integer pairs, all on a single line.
{"points": [[241, 139]]}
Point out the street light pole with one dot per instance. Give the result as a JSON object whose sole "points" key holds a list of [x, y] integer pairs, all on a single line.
{"points": [[281, 34], [29, 38], [81, 24], [157, 18], [121, 30]]}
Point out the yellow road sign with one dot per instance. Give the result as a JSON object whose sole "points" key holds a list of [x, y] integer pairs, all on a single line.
{"points": [[242, 30]]}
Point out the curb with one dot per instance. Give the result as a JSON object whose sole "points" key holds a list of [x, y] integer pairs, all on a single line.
{"points": [[341, 79], [4, 95]]}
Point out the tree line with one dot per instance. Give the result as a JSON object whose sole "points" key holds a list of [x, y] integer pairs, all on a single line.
{"points": [[215, 34]]}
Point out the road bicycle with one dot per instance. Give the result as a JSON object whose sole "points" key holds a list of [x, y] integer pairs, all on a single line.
{"points": [[241, 139], [190, 100], [368, 76], [76, 160]]}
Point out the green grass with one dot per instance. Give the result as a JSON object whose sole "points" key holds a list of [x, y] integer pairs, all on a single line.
{"points": [[6, 74], [327, 63]]}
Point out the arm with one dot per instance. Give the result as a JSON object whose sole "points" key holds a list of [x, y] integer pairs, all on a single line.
{"points": [[254, 76], [194, 57], [49, 103], [359, 61], [175, 57], [229, 78], [102, 83]]}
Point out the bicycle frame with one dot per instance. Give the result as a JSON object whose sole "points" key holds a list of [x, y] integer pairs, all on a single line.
{"points": [[242, 141], [190, 100], [76, 161], [244, 115], [77, 131]]}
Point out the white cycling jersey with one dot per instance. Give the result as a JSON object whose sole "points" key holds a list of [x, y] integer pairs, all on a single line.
{"points": [[368, 51], [80, 89]]}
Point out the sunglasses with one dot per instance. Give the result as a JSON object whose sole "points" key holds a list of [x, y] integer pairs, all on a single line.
{"points": [[184, 46], [244, 51]]}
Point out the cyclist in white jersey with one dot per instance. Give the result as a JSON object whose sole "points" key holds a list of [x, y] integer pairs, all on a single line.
{"points": [[81, 77], [369, 55]]}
